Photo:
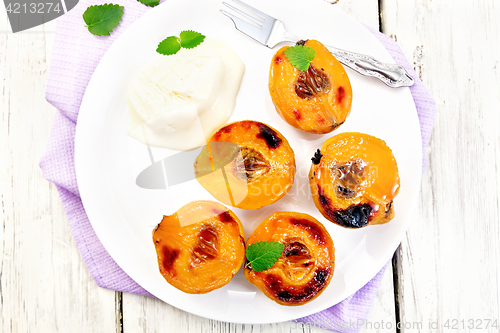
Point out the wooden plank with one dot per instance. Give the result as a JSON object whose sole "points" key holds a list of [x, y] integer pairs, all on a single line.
{"points": [[382, 317], [143, 314], [449, 263], [146, 314], [44, 284]]}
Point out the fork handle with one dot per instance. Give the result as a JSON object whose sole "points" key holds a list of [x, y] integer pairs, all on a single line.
{"points": [[391, 74]]}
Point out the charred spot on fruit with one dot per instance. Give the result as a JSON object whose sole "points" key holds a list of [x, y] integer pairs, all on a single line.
{"points": [[312, 228], [225, 129], [311, 82], [296, 114], [302, 42], [355, 216], [269, 135], [294, 295], [323, 199], [388, 207], [321, 275], [255, 165], [317, 157], [340, 94], [206, 247], [169, 256], [284, 295], [225, 217], [334, 126]]}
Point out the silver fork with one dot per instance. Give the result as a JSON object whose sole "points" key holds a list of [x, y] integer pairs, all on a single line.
{"points": [[270, 31]]}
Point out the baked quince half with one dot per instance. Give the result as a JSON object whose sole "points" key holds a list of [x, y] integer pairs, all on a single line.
{"points": [[200, 247], [306, 265], [246, 164], [317, 100], [354, 179]]}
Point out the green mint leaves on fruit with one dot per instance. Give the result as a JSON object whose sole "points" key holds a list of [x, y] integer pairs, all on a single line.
{"points": [[150, 3], [263, 255], [187, 39], [102, 19], [300, 56]]}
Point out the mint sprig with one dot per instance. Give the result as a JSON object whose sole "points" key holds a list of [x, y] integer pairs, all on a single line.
{"points": [[300, 56], [102, 19], [187, 39], [263, 255]]}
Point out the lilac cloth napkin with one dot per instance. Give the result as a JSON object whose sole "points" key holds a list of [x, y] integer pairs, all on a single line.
{"points": [[75, 55]]}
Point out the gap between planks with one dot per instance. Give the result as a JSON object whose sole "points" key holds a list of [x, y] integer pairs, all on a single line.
{"points": [[394, 261], [119, 311]]}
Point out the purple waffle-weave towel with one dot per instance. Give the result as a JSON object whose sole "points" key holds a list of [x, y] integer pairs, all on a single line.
{"points": [[75, 55]]}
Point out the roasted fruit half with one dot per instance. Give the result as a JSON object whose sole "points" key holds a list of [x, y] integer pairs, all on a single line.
{"points": [[306, 265], [200, 247], [317, 100], [246, 164], [354, 179]]}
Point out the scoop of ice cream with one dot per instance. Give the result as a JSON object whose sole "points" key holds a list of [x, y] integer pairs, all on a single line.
{"points": [[178, 101]]}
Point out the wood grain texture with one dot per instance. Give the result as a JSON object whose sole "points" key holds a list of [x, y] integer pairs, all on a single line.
{"points": [[449, 262], [383, 308], [44, 284]]}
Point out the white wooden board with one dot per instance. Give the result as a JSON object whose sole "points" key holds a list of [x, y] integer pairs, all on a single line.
{"points": [[44, 284], [449, 264]]}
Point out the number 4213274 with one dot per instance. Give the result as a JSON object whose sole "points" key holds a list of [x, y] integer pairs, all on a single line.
{"points": [[33, 8], [476, 324]]}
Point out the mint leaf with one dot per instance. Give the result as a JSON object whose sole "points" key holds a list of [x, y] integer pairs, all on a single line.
{"points": [[102, 19], [169, 46], [191, 39], [150, 3], [300, 56], [188, 39], [263, 255]]}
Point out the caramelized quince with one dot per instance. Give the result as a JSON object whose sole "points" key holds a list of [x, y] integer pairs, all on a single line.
{"points": [[317, 100], [200, 247], [354, 179], [306, 265], [246, 164]]}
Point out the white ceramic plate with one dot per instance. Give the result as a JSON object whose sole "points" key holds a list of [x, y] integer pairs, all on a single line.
{"points": [[123, 215]]}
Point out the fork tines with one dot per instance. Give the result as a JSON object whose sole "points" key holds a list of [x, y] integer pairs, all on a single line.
{"points": [[251, 22]]}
